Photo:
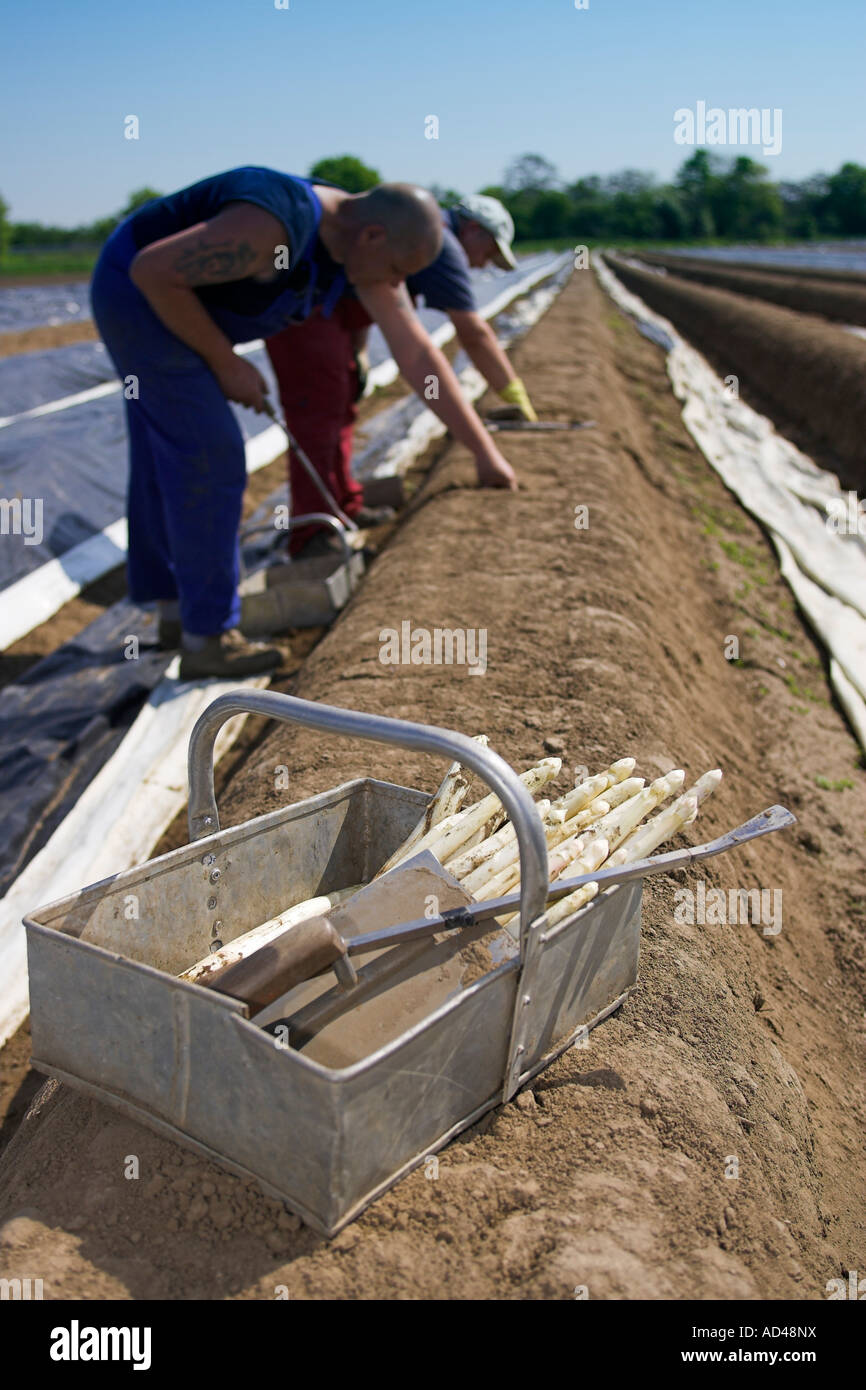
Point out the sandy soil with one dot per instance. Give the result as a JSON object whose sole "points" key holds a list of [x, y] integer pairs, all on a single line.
{"points": [[806, 374], [49, 335], [610, 1172]]}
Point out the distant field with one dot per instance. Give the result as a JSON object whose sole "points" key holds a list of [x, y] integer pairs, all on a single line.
{"points": [[562, 243], [29, 265]]}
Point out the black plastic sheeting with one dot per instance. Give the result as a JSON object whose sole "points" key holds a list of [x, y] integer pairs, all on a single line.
{"points": [[31, 306], [74, 462], [35, 378], [62, 720]]}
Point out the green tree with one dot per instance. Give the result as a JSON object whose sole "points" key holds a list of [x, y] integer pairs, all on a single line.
{"points": [[590, 208], [531, 173], [697, 181], [5, 229], [137, 200], [801, 206], [445, 197], [746, 204], [671, 217], [347, 171], [550, 215], [846, 200]]}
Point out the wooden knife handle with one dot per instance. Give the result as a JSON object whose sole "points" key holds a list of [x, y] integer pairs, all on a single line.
{"points": [[305, 950]]}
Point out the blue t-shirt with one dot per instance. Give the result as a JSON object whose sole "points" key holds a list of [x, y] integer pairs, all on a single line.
{"points": [[288, 198], [445, 283]]}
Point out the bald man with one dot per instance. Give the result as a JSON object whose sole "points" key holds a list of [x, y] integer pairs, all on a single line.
{"points": [[320, 364], [236, 257]]}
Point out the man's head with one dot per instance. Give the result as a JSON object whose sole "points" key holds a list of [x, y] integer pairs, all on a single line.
{"points": [[389, 232], [486, 231]]}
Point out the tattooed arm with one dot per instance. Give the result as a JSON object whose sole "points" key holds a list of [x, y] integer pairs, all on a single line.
{"points": [[240, 241]]}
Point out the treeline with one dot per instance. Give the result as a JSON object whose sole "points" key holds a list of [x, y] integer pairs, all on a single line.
{"points": [[37, 236], [710, 197]]}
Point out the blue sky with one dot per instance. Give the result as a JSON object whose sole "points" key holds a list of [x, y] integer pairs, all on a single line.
{"points": [[216, 83]]}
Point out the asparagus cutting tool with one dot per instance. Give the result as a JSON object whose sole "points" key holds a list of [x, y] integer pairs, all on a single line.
{"points": [[537, 426], [309, 468], [316, 945]]}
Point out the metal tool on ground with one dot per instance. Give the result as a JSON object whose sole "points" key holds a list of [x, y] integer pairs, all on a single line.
{"points": [[537, 426], [312, 947], [308, 466]]}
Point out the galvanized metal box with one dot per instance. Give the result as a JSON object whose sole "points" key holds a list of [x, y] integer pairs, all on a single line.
{"points": [[110, 1016]]}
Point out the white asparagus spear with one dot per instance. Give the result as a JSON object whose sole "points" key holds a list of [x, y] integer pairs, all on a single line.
{"points": [[558, 912], [555, 830], [645, 839], [445, 802], [612, 829], [475, 858], [648, 837], [623, 819], [590, 858], [584, 792], [508, 851], [460, 865], [593, 812], [615, 796], [453, 834], [243, 946], [503, 857], [497, 885], [637, 846]]}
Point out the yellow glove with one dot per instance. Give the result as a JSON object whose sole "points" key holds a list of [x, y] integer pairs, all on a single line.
{"points": [[515, 394]]}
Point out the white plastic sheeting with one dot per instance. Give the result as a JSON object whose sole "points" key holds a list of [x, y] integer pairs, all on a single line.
{"points": [[115, 823], [802, 506]]}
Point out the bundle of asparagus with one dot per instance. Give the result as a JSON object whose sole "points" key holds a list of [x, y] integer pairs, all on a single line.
{"points": [[601, 822]]}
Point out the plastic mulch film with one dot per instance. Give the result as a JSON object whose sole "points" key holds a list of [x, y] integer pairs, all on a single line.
{"points": [[823, 558]]}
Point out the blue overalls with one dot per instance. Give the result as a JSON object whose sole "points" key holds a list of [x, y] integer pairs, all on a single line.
{"points": [[187, 466]]}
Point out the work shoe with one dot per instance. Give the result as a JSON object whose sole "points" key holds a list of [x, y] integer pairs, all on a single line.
{"points": [[229, 654], [169, 633], [324, 542], [373, 516]]}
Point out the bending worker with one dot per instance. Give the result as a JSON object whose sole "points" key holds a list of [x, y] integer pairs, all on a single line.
{"points": [[236, 257], [321, 366]]}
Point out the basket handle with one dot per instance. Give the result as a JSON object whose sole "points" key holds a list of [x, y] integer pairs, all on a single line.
{"points": [[426, 738]]}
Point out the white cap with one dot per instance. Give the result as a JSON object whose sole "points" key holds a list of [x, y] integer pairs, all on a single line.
{"points": [[490, 214]]}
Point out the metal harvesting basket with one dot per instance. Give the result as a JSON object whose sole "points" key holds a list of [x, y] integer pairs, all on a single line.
{"points": [[111, 1018], [302, 592]]}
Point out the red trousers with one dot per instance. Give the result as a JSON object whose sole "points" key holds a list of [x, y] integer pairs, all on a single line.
{"points": [[318, 381]]}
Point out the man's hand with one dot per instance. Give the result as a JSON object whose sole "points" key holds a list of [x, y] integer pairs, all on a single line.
{"points": [[242, 382], [495, 471], [424, 367]]}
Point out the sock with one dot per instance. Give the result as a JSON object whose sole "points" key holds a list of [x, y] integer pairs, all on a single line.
{"points": [[192, 641], [169, 608]]}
